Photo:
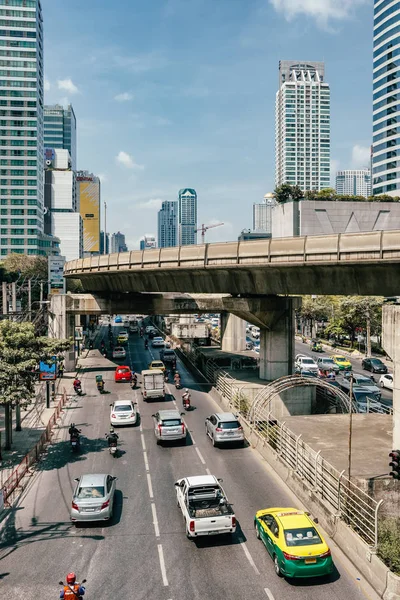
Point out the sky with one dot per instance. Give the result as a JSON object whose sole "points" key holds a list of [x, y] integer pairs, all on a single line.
{"points": [[181, 93]]}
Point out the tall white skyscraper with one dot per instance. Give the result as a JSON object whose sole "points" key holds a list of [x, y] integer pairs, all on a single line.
{"points": [[302, 139], [386, 99], [354, 183], [262, 214], [21, 133], [167, 224], [187, 216], [60, 129]]}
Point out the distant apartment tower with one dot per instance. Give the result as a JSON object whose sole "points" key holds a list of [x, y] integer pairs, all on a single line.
{"points": [[118, 242], [302, 126], [105, 250], [147, 242], [60, 129], [167, 225], [88, 186], [262, 214], [187, 217], [354, 183], [386, 99]]}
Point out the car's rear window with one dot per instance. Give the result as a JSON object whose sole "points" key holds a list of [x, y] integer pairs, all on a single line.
{"points": [[123, 371], [376, 361], [119, 349], [306, 536], [122, 408], [91, 492], [171, 422], [229, 425], [157, 364]]}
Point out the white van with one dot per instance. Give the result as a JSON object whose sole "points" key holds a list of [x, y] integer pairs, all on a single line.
{"points": [[153, 384]]}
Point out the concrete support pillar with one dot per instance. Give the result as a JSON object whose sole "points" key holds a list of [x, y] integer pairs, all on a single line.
{"points": [[391, 345], [233, 333], [61, 325], [277, 342]]}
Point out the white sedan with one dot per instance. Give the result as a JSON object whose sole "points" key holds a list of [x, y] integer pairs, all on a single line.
{"points": [[123, 412], [158, 342], [119, 352], [386, 381]]}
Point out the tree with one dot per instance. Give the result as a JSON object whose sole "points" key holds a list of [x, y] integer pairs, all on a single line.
{"points": [[283, 193], [318, 308], [296, 193], [21, 350], [357, 312], [27, 266], [327, 194]]}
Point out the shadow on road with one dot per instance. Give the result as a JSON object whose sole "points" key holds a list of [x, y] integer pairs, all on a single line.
{"points": [[60, 454], [116, 518], [315, 581], [230, 539]]}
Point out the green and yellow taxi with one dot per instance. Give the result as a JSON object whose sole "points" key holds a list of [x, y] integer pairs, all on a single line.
{"points": [[294, 543], [123, 337], [342, 362]]}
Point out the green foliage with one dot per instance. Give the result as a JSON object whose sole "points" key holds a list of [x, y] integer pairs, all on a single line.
{"points": [[20, 352], [74, 286], [353, 312], [389, 543], [28, 266]]}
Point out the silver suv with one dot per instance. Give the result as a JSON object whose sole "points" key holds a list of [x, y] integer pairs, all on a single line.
{"points": [[168, 426], [223, 428]]}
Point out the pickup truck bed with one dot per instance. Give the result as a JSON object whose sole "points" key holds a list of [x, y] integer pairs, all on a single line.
{"points": [[208, 509]]}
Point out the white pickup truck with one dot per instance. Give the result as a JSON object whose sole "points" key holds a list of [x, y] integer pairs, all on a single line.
{"points": [[204, 506]]}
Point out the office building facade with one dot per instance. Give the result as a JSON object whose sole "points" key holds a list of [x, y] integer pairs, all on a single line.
{"points": [[118, 243], [88, 188], [386, 99], [105, 250], [167, 225], [60, 129], [147, 242], [262, 214], [302, 123], [354, 183], [187, 217], [21, 133]]}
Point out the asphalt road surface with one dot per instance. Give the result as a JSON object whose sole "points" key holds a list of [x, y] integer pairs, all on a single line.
{"points": [[143, 552]]}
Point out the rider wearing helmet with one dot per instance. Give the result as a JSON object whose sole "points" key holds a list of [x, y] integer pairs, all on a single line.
{"points": [[112, 437], [72, 590]]}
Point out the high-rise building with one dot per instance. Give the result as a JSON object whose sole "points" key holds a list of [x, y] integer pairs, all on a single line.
{"points": [[60, 129], [88, 186], [386, 99], [302, 124], [62, 217], [187, 217], [262, 214], [118, 243], [107, 248], [354, 183], [167, 225], [21, 133], [147, 242]]}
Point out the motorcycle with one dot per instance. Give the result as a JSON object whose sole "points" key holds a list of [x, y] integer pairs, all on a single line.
{"points": [[91, 345], [186, 401], [134, 381], [77, 597], [177, 382], [75, 442], [100, 387], [78, 389], [166, 377], [146, 344], [113, 449]]}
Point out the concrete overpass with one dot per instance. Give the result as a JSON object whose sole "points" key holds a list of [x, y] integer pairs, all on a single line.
{"points": [[355, 263]]}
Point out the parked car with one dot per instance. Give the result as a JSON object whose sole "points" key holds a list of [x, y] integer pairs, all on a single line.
{"points": [[119, 352], [168, 426], [296, 546], [118, 319], [157, 365], [386, 381], [326, 363], [123, 373], [223, 428], [157, 342], [93, 498], [342, 362], [123, 412], [375, 365]]}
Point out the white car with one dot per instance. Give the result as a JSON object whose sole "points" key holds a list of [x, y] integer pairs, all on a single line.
{"points": [[386, 381], [150, 328], [123, 412], [307, 364], [119, 352], [158, 342]]}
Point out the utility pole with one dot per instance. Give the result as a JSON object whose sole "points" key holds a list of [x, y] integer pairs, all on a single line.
{"points": [[29, 299], [5, 297], [368, 346], [105, 227], [350, 426], [14, 297], [41, 292]]}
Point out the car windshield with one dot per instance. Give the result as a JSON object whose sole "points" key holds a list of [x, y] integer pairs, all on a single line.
{"points": [[306, 536], [171, 422], [123, 370], [341, 359], [377, 362], [122, 408], [363, 381], [327, 361], [307, 361], [95, 491], [229, 425]]}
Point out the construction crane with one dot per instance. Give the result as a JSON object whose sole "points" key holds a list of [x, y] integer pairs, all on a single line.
{"points": [[204, 228]]}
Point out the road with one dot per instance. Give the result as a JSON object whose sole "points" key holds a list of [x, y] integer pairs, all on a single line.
{"points": [[143, 552]]}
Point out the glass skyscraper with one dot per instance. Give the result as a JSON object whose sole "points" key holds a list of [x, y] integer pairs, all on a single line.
{"points": [[187, 216], [167, 225], [60, 129], [302, 122], [386, 98], [21, 134]]}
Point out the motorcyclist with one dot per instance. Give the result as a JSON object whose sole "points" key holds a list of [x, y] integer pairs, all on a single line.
{"points": [[100, 385], [134, 380], [112, 437], [77, 384], [177, 378], [90, 344], [72, 590], [103, 344], [186, 398], [146, 343]]}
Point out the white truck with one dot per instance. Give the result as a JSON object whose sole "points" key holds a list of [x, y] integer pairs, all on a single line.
{"points": [[205, 507], [153, 384]]}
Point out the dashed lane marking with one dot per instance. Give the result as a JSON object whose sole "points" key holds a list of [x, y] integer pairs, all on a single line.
{"points": [[208, 471], [155, 520], [162, 565], [143, 442], [199, 454], [150, 485], [269, 594], [146, 462], [248, 555]]}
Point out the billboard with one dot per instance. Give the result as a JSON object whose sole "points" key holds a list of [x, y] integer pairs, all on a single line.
{"points": [[47, 371], [89, 192], [56, 274]]}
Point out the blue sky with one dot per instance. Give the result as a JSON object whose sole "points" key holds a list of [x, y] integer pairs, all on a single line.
{"points": [[181, 93]]}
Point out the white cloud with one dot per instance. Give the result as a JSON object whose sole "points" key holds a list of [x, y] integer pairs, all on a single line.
{"points": [[124, 97], [126, 160], [321, 10], [361, 156], [153, 204], [67, 85], [103, 177], [47, 85]]}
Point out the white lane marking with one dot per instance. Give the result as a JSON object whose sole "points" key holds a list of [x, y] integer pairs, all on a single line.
{"points": [[200, 456], [146, 462], [150, 486], [162, 565], [193, 440], [155, 520], [248, 555], [140, 428], [269, 594], [208, 471], [143, 442]]}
